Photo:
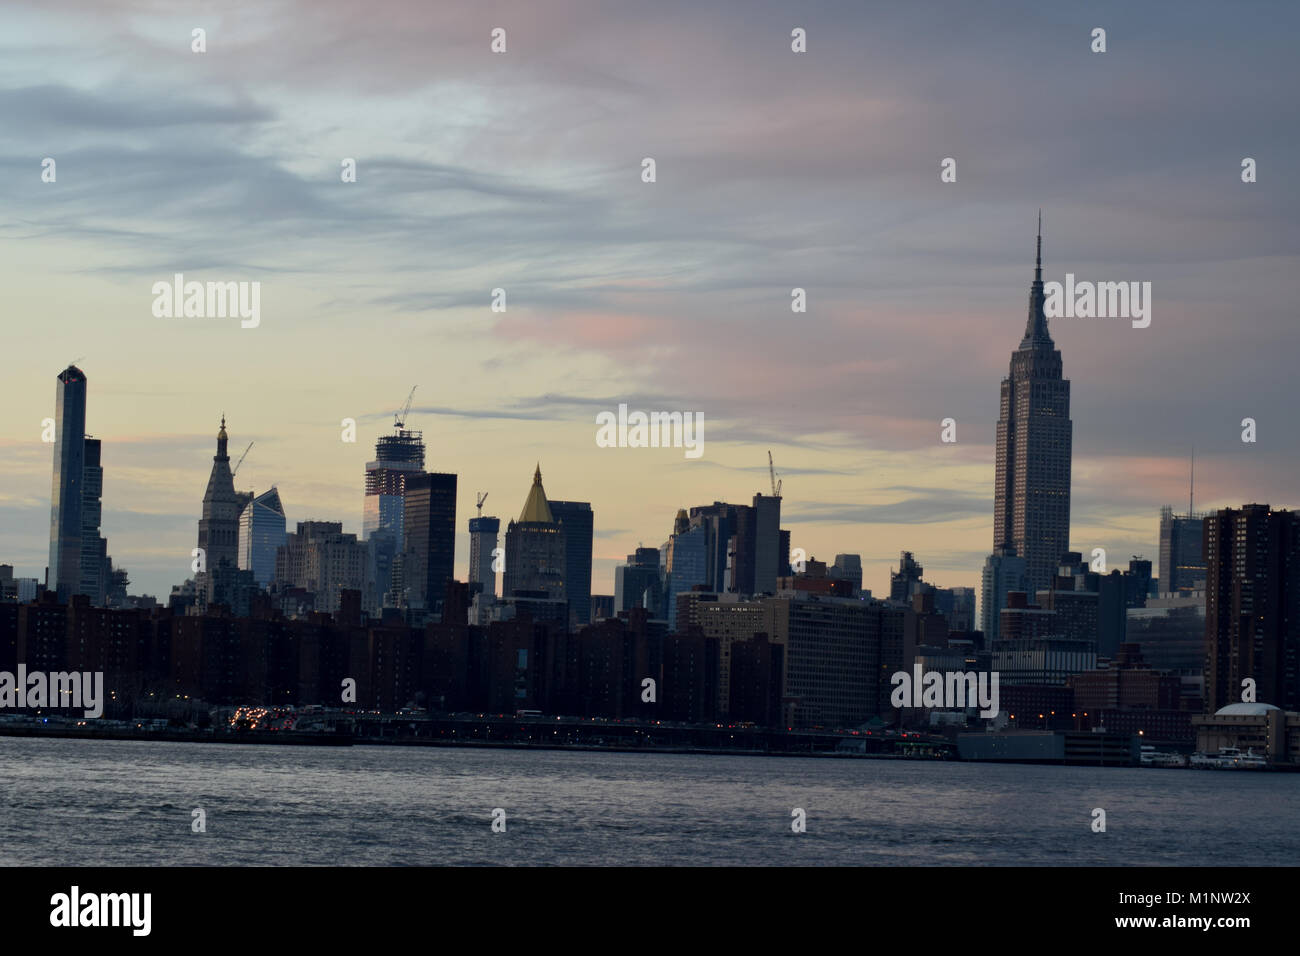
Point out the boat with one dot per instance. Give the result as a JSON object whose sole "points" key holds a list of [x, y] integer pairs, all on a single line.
{"points": [[1230, 758], [1150, 757]]}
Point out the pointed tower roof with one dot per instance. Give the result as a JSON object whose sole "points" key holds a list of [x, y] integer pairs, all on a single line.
{"points": [[1036, 327], [537, 509], [270, 500]]}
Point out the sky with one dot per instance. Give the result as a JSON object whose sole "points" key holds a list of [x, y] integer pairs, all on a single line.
{"points": [[522, 171]]}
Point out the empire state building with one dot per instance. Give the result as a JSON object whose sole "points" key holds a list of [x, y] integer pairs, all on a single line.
{"points": [[1031, 511]]}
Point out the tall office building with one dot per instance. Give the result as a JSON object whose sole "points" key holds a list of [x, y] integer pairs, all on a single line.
{"points": [[397, 457], [640, 583], [957, 605], [767, 559], [848, 567], [67, 490], [719, 521], [95, 565], [483, 536], [535, 558], [219, 525], [429, 538], [261, 532], [906, 581], [744, 550], [1137, 582], [320, 558], [1031, 511], [1004, 572], [1182, 561], [685, 562], [575, 519], [1252, 606]]}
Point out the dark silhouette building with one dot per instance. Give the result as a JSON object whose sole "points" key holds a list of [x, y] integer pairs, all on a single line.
{"points": [[69, 530], [575, 521], [1031, 510], [219, 525], [1182, 560], [429, 536], [1252, 606]]}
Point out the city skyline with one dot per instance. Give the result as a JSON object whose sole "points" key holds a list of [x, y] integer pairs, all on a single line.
{"points": [[668, 295]]}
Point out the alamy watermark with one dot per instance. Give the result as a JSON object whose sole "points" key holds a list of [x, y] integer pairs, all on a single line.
{"points": [[210, 300], [653, 430], [75, 908], [78, 690], [953, 690], [1100, 300]]}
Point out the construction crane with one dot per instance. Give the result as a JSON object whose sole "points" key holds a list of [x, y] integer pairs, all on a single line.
{"points": [[241, 460], [771, 469], [399, 418], [481, 498]]}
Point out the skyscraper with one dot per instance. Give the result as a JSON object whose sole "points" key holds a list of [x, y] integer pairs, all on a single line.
{"points": [[767, 558], [685, 562], [1004, 572], [1252, 606], [575, 519], [1182, 562], [261, 532], [848, 567], [639, 583], [429, 538], [67, 490], [484, 533], [535, 556], [320, 558], [720, 521], [1031, 511], [94, 549], [397, 457], [219, 525], [483, 536], [905, 582]]}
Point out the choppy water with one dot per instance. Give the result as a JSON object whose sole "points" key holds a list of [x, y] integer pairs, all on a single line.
{"points": [[104, 803]]}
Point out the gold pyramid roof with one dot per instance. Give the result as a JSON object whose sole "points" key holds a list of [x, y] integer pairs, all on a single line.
{"points": [[537, 508]]}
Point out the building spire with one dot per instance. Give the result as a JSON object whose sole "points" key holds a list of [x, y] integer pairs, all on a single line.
{"points": [[1038, 257], [1036, 327], [536, 508]]}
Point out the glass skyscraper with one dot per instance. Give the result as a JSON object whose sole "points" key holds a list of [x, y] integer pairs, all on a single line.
{"points": [[575, 520], [67, 491], [262, 529]]}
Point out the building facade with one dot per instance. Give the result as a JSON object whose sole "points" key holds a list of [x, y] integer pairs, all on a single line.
{"points": [[1252, 606], [1182, 558], [428, 538], [262, 530], [1004, 572], [219, 524], [1031, 510], [576, 527], [535, 548], [68, 488]]}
